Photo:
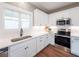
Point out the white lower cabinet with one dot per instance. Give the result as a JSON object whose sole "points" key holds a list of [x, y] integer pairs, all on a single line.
{"points": [[17, 50], [75, 45], [51, 39], [40, 43], [31, 47], [24, 49]]}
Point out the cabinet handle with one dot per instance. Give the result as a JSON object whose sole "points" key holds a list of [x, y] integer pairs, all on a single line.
{"points": [[26, 48], [40, 40]]}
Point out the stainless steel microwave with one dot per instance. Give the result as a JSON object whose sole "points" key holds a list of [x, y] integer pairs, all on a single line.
{"points": [[65, 21]]}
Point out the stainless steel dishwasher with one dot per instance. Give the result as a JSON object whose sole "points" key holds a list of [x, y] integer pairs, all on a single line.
{"points": [[4, 52]]}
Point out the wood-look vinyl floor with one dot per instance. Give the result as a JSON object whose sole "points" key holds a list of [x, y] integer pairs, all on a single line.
{"points": [[51, 51]]}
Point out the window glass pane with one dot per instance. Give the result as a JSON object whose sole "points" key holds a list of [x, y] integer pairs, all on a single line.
{"points": [[25, 20], [9, 24], [11, 13], [25, 24], [11, 19], [25, 16]]}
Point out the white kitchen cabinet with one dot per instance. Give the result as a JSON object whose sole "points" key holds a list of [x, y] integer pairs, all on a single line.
{"points": [[74, 16], [47, 39], [32, 47], [17, 50], [40, 18], [40, 43], [52, 19], [75, 45], [58, 15], [51, 39], [24, 49], [44, 40], [69, 13]]}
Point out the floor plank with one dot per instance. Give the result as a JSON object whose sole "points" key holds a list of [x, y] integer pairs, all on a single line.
{"points": [[51, 51]]}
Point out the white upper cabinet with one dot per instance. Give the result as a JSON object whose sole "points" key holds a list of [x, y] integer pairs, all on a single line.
{"points": [[52, 19], [69, 13], [74, 14], [54, 16], [40, 18]]}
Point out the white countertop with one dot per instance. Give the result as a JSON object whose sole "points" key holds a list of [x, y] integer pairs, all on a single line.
{"points": [[6, 42]]}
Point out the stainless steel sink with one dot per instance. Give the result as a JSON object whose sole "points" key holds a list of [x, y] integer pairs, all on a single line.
{"points": [[20, 38]]}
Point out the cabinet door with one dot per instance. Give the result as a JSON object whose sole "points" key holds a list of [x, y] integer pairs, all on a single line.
{"points": [[75, 46], [37, 17], [52, 19], [47, 39], [24, 49], [44, 20], [40, 18], [40, 43], [32, 47], [51, 39], [74, 16], [17, 50]]}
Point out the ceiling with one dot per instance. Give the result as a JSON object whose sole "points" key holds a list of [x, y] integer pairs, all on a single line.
{"points": [[50, 6]]}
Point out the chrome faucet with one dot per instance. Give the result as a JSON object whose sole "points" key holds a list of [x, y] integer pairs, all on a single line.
{"points": [[21, 32]]}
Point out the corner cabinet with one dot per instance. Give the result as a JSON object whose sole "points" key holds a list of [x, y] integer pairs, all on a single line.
{"points": [[75, 45], [40, 18], [24, 49], [44, 40]]}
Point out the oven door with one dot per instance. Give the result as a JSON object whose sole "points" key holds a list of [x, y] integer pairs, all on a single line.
{"points": [[64, 41]]}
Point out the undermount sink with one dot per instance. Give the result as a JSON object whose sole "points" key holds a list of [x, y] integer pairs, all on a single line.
{"points": [[20, 38]]}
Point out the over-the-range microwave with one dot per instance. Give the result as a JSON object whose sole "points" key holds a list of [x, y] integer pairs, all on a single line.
{"points": [[65, 21]]}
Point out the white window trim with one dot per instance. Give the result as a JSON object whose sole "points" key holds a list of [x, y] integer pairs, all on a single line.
{"points": [[19, 26]]}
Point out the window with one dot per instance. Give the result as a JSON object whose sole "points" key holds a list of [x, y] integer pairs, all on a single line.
{"points": [[14, 19], [25, 20], [11, 19]]}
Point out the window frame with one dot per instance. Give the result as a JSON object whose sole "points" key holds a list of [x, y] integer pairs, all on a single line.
{"points": [[19, 12]]}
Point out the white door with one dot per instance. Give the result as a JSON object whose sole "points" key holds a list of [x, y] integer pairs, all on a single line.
{"points": [[75, 45]]}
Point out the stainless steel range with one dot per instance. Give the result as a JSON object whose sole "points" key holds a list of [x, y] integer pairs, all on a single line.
{"points": [[62, 37]]}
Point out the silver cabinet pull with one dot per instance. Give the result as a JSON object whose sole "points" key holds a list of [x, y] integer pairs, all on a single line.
{"points": [[40, 40], [26, 48], [47, 37]]}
